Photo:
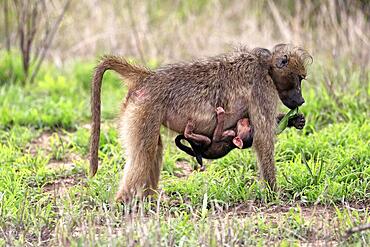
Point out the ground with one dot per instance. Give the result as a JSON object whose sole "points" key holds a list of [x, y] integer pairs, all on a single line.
{"points": [[47, 197]]}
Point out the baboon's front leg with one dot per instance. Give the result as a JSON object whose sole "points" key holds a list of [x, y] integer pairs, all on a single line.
{"points": [[263, 144], [264, 148], [265, 156]]}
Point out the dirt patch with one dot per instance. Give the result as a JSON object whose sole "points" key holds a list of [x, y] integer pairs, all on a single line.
{"points": [[42, 142], [60, 186], [60, 165], [250, 208], [185, 169]]}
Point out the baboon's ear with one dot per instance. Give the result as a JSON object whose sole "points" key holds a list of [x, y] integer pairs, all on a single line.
{"points": [[282, 61]]}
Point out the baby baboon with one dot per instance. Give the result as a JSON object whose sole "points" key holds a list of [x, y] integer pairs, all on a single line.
{"points": [[223, 141], [246, 83]]}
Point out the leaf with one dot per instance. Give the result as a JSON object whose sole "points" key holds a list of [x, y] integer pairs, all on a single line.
{"points": [[284, 121]]}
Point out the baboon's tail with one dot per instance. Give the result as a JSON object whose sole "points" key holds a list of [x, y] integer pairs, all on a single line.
{"points": [[133, 74]]}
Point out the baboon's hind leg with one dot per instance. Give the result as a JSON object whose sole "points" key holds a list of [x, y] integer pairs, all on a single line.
{"points": [[140, 127], [157, 165]]}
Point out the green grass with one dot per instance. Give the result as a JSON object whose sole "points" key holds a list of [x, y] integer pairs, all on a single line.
{"points": [[47, 198]]}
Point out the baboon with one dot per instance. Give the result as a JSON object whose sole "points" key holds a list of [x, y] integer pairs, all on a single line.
{"points": [[246, 83], [223, 141]]}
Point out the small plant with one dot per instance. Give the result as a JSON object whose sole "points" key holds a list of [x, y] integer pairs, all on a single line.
{"points": [[58, 147]]}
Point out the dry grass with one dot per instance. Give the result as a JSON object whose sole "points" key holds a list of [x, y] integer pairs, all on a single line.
{"points": [[168, 31]]}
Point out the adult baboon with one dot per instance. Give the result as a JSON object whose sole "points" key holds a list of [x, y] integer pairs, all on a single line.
{"points": [[246, 83]]}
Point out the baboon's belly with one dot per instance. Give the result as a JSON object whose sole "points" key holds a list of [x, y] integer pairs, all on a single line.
{"points": [[204, 123], [204, 119]]}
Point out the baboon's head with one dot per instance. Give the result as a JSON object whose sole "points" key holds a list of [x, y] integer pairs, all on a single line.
{"points": [[288, 69]]}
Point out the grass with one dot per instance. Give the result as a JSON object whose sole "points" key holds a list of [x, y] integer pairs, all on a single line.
{"points": [[46, 197]]}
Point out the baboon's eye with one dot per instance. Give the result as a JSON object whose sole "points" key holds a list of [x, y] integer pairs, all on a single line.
{"points": [[282, 61]]}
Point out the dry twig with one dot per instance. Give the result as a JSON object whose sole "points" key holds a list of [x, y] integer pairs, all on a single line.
{"points": [[35, 33], [356, 229]]}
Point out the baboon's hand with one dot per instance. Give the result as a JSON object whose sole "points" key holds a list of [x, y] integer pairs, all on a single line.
{"points": [[220, 111], [297, 122]]}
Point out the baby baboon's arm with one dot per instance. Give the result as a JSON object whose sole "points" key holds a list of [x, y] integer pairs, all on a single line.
{"points": [[219, 134]]}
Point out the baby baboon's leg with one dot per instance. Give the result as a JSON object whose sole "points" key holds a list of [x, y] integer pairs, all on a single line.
{"points": [[190, 135], [140, 127]]}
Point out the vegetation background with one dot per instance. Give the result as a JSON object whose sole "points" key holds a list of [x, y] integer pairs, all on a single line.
{"points": [[46, 64]]}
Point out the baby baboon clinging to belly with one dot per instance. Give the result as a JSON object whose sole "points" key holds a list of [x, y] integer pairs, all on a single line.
{"points": [[223, 141]]}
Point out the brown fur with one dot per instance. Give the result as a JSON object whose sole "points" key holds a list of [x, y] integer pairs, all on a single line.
{"points": [[246, 83]]}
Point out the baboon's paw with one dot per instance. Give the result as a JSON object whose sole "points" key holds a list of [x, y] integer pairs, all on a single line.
{"points": [[122, 197], [298, 121], [202, 168], [220, 110]]}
